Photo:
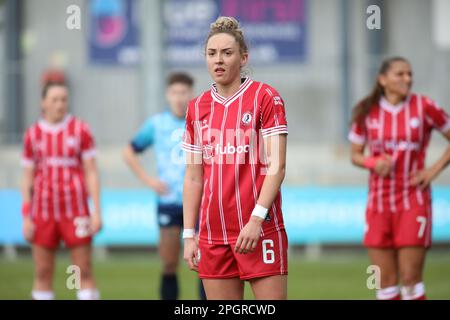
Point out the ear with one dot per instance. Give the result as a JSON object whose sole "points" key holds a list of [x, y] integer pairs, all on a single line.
{"points": [[382, 80], [244, 59]]}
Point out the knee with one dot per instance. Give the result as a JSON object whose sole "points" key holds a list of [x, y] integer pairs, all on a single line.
{"points": [[86, 273], [388, 279], [410, 277]]}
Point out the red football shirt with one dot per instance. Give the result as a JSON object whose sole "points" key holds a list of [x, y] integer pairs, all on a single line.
{"points": [[229, 133], [56, 151], [402, 132]]}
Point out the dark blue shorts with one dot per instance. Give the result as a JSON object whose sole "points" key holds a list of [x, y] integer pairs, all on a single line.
{"points": [[170, 215]]}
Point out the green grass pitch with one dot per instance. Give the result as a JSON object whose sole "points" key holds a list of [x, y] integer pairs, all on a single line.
{"points": [[136, 276]]}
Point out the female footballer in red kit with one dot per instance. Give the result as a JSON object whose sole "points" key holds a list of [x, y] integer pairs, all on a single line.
{"points": [[235, 141], [396, 124], [59, 172]]}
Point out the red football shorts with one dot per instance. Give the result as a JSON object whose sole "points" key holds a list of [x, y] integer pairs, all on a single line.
{"points": [[220, 261], [73, 231], [399, 229]]}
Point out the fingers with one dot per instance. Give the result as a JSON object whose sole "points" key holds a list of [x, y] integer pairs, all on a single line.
{"points": [[238, 244], [243, 246], [249, 247], [191, 256]]}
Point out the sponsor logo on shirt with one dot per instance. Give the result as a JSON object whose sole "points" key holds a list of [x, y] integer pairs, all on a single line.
{"points": [[277, 100], [210, 151]]}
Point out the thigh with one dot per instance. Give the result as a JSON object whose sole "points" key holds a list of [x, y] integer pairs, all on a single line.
{"points": [[224, 289], [44, 258], [169, 244], [268, 259], [216, 261], [270, 288], [413, 227], [378, 230], [386, 260], [46, 233]]}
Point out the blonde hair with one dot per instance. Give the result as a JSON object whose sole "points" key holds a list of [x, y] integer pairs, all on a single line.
{"points": [[228, 25]]}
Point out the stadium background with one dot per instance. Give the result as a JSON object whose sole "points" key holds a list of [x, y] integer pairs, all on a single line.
{"points": [[324, 64]]}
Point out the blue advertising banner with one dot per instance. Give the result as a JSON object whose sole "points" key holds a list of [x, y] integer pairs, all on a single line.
{"points": [[113, 32], [274, 29], [311, 215]]}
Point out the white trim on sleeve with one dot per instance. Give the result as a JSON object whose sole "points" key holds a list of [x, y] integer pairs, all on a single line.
{"points": [[27, 163], [191, 148], [274, 131], [445, 127], [356, 138], [88, 154]]}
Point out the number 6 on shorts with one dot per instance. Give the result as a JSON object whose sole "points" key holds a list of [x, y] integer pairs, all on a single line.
{"points": [[268, 254]]}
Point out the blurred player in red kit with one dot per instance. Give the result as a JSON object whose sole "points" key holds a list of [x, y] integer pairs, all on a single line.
{"points": [[59, 173], [396, 125], [235, 143]]}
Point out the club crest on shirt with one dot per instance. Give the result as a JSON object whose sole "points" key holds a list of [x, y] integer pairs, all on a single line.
{"points": [[71, 141], [208, 151], [414, 123], [246, 118]]}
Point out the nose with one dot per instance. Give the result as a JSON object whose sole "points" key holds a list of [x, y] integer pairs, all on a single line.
{"points": [[219, 59]]}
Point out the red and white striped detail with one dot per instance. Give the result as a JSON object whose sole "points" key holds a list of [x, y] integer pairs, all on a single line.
{"points": [[56, 152]]}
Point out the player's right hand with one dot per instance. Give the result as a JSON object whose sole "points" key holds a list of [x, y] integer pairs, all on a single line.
{"points": [[158, 186], [191, 253], [28, 229], [383, 165]]}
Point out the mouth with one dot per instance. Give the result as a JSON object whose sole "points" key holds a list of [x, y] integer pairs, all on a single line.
{"points": [[219, 71]]}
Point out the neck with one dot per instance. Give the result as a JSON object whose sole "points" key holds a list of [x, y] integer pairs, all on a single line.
{"points": [[53, 120], [394, 98], [229, 89]]}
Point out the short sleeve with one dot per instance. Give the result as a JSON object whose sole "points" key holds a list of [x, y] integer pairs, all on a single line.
{"points": [[436, 116], [88, 150], [145, 137], [191, 138], [27, 152], [357, 134], [273, 114]]}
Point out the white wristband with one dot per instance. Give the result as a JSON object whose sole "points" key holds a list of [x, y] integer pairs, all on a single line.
{"points": [[260, 211], [188, 233]]}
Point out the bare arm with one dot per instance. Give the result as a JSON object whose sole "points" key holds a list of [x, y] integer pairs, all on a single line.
{"points": [[425, 176], [275, 147], [27, 191], [27, 184], [192, 195], [93, 186], [132, 160], [275, 150], [383, 164]]}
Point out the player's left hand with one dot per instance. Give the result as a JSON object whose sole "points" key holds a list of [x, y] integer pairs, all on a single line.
{"points": [[423, 177], [95, 223], [249, 236]]}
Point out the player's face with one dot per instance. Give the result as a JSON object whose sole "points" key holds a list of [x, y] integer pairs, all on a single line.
{"points": [[397, 79], [55, 103], [224, 59], [178, 95]]}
